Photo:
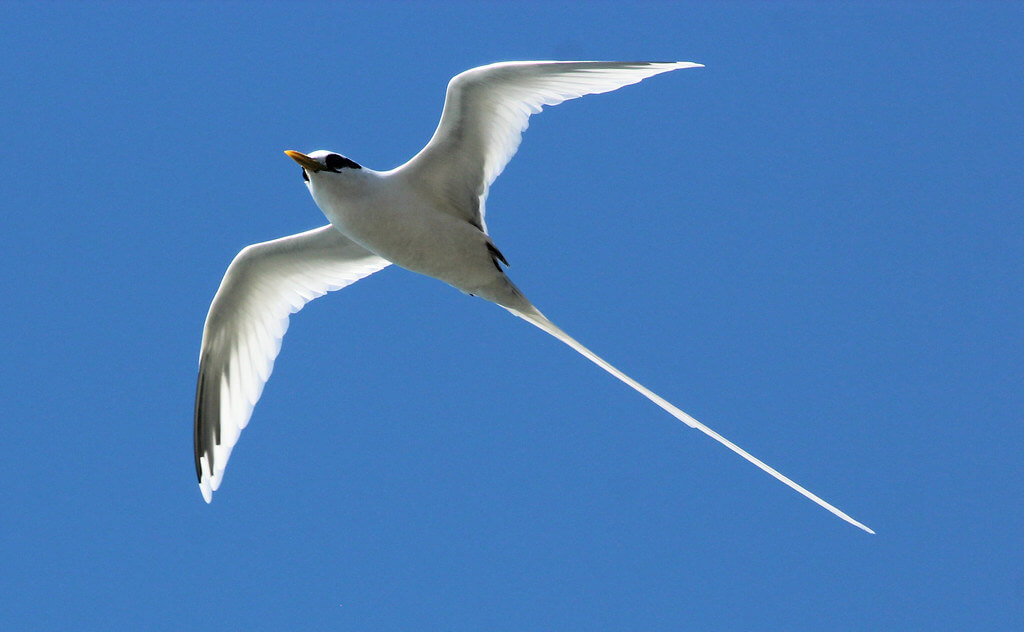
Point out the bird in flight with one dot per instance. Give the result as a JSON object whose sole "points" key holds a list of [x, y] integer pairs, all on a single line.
{"points": [[426, 216]]}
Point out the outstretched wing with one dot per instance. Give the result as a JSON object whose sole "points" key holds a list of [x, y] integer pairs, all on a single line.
{"points": [[248, 317], [485, 112]]}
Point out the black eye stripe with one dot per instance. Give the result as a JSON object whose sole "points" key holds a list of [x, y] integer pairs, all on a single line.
{"points": [[334, 163]]}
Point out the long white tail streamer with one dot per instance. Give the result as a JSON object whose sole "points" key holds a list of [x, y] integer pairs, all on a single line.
{"points": [[534, 317]]}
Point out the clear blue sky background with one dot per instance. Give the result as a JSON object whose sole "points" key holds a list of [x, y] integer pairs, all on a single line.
{"points": [[814, 245]]}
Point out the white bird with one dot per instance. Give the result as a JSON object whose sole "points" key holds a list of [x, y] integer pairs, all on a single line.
{"points": [[426, 216]]}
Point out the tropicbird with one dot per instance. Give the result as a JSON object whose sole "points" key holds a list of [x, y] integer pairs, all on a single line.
{"points": [[426, 216]]}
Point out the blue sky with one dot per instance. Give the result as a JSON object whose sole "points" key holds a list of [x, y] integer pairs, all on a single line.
{"points": [[813, 245]]}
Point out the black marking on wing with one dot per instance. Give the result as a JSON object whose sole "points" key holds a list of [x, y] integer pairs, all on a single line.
{"points": [[207, 419], [496, 256]]}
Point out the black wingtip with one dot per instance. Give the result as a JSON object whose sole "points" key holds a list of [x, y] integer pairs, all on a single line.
{"points": [[197, 441], [204, 433]]}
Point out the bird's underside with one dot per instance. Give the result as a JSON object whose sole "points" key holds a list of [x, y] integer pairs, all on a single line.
{"points": [[486, 109]]}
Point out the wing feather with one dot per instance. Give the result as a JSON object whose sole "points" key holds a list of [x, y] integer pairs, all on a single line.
{"points": [[247, 320], [486, 110]]}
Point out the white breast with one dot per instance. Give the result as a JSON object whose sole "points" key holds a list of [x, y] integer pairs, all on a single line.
{"points": [[394, 221]]}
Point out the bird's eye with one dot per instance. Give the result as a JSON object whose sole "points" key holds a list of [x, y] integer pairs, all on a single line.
{"points": [[334, 163]]}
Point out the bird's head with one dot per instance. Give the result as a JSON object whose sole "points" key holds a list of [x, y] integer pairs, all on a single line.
{"points": [[320, 163]]}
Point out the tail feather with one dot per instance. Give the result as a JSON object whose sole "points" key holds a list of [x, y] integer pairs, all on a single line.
{"points": [[534, 317]]}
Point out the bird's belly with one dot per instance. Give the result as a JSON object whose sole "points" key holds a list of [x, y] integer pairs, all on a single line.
{"points": [[420, 239]]}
